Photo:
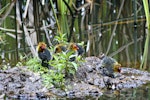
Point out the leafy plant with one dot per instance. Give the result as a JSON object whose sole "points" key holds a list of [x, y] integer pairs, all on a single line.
{"points": [[61, 66], [61, 38], [62, 63], [53, 78], [34, 65], [62, 69]]}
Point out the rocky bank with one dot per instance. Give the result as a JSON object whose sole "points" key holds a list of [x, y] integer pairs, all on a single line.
{"points": [[20, 83]]}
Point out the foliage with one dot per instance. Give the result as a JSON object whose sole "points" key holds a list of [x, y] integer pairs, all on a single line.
{"points": [[62, 63], [4, 67], [62, 7], [54, 13], [61, 38], [53, 78], [34, 64], [93, 28], [61, 67], [4, 8]]}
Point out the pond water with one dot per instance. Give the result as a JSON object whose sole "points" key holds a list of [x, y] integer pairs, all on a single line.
{"points": [[140, 93]]}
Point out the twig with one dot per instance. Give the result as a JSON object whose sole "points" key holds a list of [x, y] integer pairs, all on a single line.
{"points": [[46, 26], [83, 6], [12, 35], [127, 54], [10, 30], [114, 29], [27, 36], [29, 42], [123, 47], [47, 35], [26, 9]]}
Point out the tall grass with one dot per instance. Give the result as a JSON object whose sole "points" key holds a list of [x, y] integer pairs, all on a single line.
{"points": [[55, 15], [144, 60]]}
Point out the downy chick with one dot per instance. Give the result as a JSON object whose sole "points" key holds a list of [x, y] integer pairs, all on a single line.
{"points": [[44, 54]]}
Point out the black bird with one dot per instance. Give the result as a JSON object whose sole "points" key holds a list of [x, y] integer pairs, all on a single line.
{"points": [[76, 49], [44, 54], [109, 66], [59, 48], [80, 49]]}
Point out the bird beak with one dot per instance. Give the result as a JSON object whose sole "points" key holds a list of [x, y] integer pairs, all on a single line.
{"points": [[119, 69]]}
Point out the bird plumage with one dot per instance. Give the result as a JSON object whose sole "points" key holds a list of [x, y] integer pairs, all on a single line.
{"points": [[44, 54], [76, 50], [80, 49], [110, 66], [60, 48]]}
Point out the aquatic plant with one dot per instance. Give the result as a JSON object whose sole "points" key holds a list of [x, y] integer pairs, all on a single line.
{"points": [[61, 66], [145, 55]]}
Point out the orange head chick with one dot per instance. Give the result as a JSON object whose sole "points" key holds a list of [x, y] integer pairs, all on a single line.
{"points": [[117, 67], [44, 54], [59, 48], [73, 47], [41, 46]]}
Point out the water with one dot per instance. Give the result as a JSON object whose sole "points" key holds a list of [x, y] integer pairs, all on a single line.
{"points": [[140, 93]]}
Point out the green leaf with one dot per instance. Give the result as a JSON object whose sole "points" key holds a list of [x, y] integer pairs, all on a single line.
{"points": [[82, 43], [75, 65]]}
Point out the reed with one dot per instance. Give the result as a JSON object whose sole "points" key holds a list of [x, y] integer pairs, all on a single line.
{"points": [[55, 15], [145, 55]]}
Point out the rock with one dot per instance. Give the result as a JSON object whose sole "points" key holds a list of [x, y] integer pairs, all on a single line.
{"points": [[1, 88], [16, 83], [20, 83], [2, 96], [13, 85]]}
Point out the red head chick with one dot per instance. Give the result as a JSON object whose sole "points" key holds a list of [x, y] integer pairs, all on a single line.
{"points": [[73, 47], [41, 47]]}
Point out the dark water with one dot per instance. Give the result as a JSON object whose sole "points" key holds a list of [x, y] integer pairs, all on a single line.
{"points": [[140, 93]]}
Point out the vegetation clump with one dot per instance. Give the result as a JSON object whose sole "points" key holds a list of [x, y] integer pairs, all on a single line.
{"points": [[60, 69]]}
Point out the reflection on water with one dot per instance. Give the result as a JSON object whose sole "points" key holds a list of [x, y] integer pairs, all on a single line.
{"points": [[140, 93]]}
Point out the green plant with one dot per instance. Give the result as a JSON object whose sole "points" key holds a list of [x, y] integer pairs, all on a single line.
{"points": [[4, 8], [53, 78], [61, 66], [61, 38], [145, 55], [34, 65], [62, 63], [61, 69]]}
